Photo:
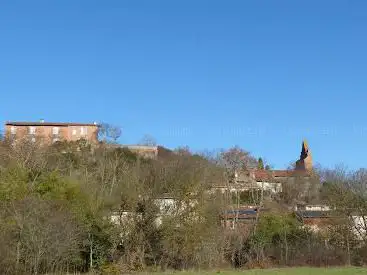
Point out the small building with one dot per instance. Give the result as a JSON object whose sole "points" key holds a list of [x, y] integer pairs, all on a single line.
{"points": [[315, 220], [234, 218], [312, 207], [167, 206], [144, 151], [49, 132]]}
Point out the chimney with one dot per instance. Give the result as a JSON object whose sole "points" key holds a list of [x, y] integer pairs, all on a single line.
{"points": [[42, 120]]}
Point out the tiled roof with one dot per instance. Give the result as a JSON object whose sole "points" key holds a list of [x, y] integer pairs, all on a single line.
{"points": [[313, 214], [274, 175], [29, 123], [241, 214]]}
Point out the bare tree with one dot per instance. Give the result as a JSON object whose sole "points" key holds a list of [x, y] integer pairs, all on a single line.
{"points": [[148, 140], [109, 133], [237, 159]]}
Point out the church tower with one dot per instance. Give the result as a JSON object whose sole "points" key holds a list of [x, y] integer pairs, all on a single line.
{"points": [[305, 159]]}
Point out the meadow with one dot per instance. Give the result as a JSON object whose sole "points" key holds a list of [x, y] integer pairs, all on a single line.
{"points": [[280, 271]]}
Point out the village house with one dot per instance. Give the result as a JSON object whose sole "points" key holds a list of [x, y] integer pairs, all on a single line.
{"points": [[270, 181], [316, 218], [273, 180], [260, 183], [145, 151], [167, 206], [319, 218], [239, 217], [50, 132]]}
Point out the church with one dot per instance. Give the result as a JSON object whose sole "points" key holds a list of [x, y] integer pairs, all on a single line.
{"points": [[272, 181]]}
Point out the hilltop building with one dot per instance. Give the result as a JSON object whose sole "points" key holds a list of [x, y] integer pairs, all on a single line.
{"points": [[49, 132], [145, 151]]}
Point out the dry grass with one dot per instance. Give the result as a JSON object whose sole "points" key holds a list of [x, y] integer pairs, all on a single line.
{"points": [[280, 271]]}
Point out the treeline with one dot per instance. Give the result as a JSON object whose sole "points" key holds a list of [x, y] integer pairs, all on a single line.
{"points": [[56, 205]]}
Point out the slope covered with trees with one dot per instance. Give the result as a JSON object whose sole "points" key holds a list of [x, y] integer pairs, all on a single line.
{"points": [[56, 205]]}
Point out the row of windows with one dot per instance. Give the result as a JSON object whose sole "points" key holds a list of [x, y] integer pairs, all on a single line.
{"points": [[55, 130], [33, 139]]}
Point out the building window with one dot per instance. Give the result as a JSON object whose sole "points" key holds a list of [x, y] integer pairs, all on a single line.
{"points": [[55, 130], [32, 130], [13, 130], [83, 131], [73, 132]]}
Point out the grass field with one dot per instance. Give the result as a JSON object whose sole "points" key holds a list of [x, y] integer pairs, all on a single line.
{"points": [[280, 271]]}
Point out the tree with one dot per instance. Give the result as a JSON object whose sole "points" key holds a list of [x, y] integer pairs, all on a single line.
{"points": [[237, 159], [148, 140], [60, 207], [260, 164], [108, 132]]}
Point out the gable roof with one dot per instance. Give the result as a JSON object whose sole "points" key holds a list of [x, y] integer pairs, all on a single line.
{"points": [[274, 175], [309, 214]]}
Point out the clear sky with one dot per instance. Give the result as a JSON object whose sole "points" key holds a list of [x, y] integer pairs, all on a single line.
{"points": [[203, 73]]}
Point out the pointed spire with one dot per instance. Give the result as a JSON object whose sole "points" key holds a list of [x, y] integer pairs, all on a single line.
{"points": [[305, 145], [305, 159], [305, 150]]}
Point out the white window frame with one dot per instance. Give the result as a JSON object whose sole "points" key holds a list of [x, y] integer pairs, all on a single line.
{"points": [[32, 130], [13, 130], [55, 130], [83, 131]]}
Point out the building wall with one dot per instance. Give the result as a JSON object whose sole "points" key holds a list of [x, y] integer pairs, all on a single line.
{"points": [[90, 133], [317, 224], [45, 133], [360, 226], [317, 208], [274, 187], [144, 151]]}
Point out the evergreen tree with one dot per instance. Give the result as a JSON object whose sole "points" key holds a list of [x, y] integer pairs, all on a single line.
{"points": [[260, 164]]}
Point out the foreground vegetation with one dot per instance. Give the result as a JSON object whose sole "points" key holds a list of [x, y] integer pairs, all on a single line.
{"points": [[56, 205]]}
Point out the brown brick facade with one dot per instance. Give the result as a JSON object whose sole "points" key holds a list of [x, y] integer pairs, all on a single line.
{"points": [[305, 159], [51, 132]]}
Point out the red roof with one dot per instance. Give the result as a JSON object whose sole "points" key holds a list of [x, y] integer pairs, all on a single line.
{"points": [[264, 175]]}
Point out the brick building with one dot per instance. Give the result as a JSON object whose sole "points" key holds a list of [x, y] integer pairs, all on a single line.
{"points": [[49, 132], [143, 150]]}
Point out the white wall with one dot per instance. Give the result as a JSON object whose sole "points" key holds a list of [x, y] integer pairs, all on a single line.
{"points": [[360, 226], [274, 187], [317, 208]]}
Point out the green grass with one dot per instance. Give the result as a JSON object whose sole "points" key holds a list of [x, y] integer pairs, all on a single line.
{"points": [[278, 271]]}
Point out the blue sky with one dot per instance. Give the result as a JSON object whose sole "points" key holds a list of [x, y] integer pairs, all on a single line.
{"points": [[208, 74]]}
